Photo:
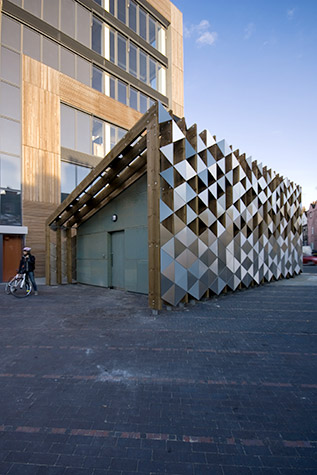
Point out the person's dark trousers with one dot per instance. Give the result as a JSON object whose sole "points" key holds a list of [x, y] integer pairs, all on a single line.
{"points": [[31, 277]]}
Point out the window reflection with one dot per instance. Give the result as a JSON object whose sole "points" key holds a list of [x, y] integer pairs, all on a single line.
{"points": [[97, 79], [10, 208], [96, 40], [97, 138], [10, 172]]}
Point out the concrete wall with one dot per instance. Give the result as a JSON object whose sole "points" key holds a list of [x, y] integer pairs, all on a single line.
{"points": [[94, 241]]}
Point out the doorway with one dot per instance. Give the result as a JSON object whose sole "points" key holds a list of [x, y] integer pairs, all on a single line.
{"points": [[117, 259], [12, 250]]}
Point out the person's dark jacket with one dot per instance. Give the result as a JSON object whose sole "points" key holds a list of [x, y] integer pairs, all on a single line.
{"points": [[27, 264]]}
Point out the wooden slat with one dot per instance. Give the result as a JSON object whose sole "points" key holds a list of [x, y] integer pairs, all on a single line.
{"points": [[58, 256], [153, 182], [119, 148], [69, 256], [117, 165]]}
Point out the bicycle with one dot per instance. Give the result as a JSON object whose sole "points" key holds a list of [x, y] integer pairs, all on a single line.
{"points": [[8, 284], [20, 286]]}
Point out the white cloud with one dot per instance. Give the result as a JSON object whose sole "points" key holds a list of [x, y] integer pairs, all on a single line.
{"points": [[249, 30], [201, 32], [290, 13], [207, 38]]}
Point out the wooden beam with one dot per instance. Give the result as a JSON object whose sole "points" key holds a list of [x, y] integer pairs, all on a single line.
{"points": [[117, 166], [69, 255], [118, 149], [58, 256], [48, 255], [153, 182], [96, 203]]}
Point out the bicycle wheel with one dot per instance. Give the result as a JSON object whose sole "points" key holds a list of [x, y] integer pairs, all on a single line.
{"points": [[21, 288], [8, 284]]}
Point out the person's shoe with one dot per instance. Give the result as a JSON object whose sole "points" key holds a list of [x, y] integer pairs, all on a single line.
{"points": [[36, 292]]}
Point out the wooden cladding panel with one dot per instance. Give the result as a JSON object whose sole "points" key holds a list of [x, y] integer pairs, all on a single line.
{"points": [[163, 7], [41, 175], [83, 97], [40, 75], [34, 217]]}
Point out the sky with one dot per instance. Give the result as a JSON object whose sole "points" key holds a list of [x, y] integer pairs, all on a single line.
{"points": [[250, 75]]}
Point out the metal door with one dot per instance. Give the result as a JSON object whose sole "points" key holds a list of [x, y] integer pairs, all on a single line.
{"points": [[117, 259]]}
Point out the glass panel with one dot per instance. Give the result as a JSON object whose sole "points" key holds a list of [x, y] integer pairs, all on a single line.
{"points": [[83, 132], [68, 17], [99, 2], [97, 79], [96, 40], [121, 11], [122, 92], [133, 60], [143, 103], [10, 207], [10, 137], [161, 83], [112, 88], [152, 32], [161, 40], [11, 33], [67, 127], [142, 23], [17, 2], [111, 7], [132, 15], [97, 138], [152, 73], [83, 71], [83, 26], [68, 177], [121, 133], [10, 66], [133, 98], [143, 68], [33, 6], [50, 12], [122, 52], [152, 102], [112, 47], [82, 172], [10, 101], [50, 53], [31, 43], [113, 136], [10, 172], [67, 62]]}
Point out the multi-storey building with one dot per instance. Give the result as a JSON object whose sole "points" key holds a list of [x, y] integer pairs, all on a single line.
{"points": [[74, 76]]}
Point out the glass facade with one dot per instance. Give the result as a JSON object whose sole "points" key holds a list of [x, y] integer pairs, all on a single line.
{"points": [[10, 123]]}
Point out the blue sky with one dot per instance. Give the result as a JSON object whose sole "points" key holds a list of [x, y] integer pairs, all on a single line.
{"points": [[251, 78]]}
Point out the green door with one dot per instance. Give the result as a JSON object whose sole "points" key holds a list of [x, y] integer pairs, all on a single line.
{"points": [[117, 259]]}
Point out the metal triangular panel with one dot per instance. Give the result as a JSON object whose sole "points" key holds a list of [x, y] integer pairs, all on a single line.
{"points": [[168, 152], [177, 133], [166, 260], [189, 150], [169, 248], [185, 170], [165, 211], [224, 147], [168, 176], [163, 115]]}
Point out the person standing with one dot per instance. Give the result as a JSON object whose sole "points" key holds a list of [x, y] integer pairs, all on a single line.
{"points": [[27, 265]]}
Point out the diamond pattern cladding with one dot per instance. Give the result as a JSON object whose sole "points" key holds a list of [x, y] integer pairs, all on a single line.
{"points": [[224, 219]]}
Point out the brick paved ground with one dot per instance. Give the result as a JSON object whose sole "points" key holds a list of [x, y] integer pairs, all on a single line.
{"points": [[93, 383]]}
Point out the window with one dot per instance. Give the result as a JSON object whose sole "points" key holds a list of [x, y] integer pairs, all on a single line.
{"points": [[67, 62], [50, 12], [122, 92], [132, 15], [133, 60], [68, 17], [50, 53], [112, 47], [97, 79], [111, 7], [67, 127], [142, 23], [10, 66], [161, 40], [143, 68], [10, 101], [31, 43], [143, 103], [122, 52], [11, 33], [121, 13], [33, 6], [152, 32], [96, 40], [10, 207], [71, 176], [10, 172], [99, 2], [97, 138], [83, 25], [133, 98], [112, 88], [83, 132], [10, 138], [83, 71], [152, 74]]}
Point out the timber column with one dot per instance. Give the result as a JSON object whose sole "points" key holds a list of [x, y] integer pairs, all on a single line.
{"points": [[153, 185]]}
